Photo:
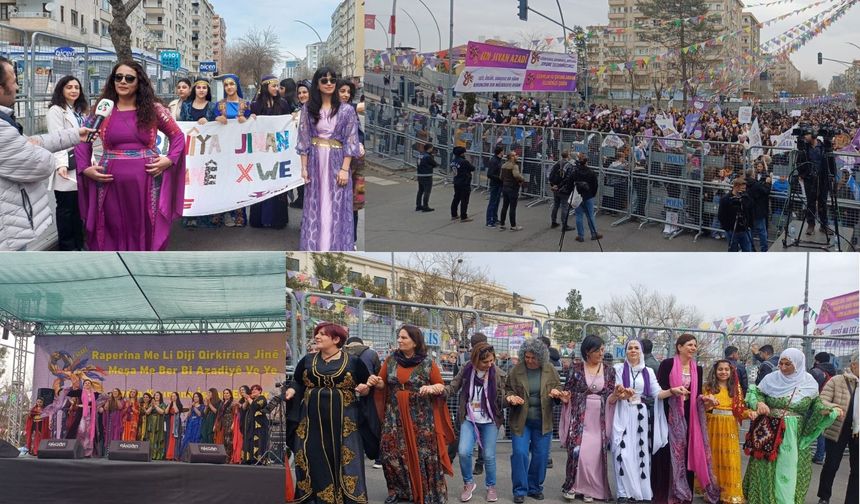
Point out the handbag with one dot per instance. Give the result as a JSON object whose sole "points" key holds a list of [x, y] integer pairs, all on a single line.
{"points": [[765, 436], [575, 198]]}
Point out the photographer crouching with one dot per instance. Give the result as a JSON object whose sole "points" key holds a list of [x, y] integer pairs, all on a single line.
{"points": [[813, 172], [736, 216]]}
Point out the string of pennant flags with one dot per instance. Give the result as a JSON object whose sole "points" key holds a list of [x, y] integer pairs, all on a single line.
{"points": [[326, 286], [773, 2], [754, 322]]}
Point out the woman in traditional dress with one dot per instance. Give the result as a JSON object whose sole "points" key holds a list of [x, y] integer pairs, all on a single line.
{"points": [[328, 140], [303, 94], [173, 417], [792, 395], [184, 91], [147, 412], [271, 213], [239, 414], [631, 434], [112, 419], [682, 449], [36, 428], [73, 417], [480, 387], [198, 107], [256, 439], [329, 452], [416, 424], [589, 394], [131, 417], [131, 196], [193, 422], [723, 420], [87, 417], [207, 427], [346, 93], [224, 422], [233, 106], [68, 106], [156, 426], [531, 390]]}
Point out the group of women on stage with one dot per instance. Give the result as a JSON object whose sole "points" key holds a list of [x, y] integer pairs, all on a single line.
{"points": [[96, 419], [671, 434], [128, 197]]}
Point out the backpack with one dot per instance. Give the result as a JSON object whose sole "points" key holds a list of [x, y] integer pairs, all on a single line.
{"points": [[555, 175]]}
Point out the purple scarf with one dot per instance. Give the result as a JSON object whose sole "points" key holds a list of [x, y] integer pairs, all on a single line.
{"points": [[626, 375], [470, 379]]}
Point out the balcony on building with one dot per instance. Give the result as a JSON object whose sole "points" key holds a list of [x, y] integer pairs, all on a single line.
{"points": [[154, 7]]}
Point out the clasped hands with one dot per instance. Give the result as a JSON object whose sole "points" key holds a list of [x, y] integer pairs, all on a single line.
{"points": [[515, 400]]}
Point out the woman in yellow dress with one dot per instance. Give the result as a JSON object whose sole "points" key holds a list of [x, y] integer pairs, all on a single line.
{"points": [[723, 422]]}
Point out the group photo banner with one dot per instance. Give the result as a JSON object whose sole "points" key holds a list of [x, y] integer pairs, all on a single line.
{"points": [[839, 316], [492, 68], [183, 364], [236, 165]]}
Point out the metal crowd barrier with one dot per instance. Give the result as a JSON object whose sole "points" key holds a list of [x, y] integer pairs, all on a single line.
{"points": [[677, 183]]}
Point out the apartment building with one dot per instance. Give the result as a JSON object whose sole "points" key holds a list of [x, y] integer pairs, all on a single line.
{"points": [[219, 40], [346, 39]]}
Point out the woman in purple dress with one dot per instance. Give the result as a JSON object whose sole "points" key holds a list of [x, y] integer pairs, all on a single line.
{"points": [[130, 197], [328, 140], [112, 418]]}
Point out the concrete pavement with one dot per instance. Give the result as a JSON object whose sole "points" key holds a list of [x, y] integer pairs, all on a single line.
{"points": [[394, 225], [377, 490]]}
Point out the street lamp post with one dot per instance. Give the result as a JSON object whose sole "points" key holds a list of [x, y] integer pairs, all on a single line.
{"points": [[322, 44], [416, 27], [450, 93], [392, 29], [438, 31]]}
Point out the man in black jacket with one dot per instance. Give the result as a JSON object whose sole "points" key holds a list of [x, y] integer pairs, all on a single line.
{"points": [[768, 362], [732, 355], [736, 216], [585, 181], [758, 187], [462, 169], [425, 179], [494, 171], [555, 176]]}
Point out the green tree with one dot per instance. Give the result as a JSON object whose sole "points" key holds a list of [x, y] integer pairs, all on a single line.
{"points": [[668, 28], [575, 310]]}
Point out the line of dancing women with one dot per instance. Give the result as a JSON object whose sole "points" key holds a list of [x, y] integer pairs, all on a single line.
{"points": [[96, 419], [672, 434]]}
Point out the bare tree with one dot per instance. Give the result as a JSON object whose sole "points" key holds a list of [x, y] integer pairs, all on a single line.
{"points": [[120, 31], [646, 307], [534, 41], [254, 54], [623, 54]]}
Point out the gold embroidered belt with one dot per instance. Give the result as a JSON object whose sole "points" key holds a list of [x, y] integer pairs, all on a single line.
{"points": [[326, 142], [723, 412]]}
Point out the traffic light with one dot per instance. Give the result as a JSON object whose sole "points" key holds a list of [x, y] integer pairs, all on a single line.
{"points": [[819, 58], [524, 10]]}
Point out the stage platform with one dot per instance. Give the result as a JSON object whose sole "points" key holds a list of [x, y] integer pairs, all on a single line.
{"points": [[28, 479]]}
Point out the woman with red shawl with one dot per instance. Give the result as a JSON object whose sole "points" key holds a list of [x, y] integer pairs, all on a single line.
{"points": [[37, 428]]}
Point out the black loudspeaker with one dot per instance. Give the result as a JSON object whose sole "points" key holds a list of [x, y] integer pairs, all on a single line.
{"points": [[206, 453], [60, 449], [8, 450], [137, 451], [46, 395]]}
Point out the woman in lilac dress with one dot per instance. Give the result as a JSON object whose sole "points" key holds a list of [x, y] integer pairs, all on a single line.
{"points": [[130, 197], [328, 140], [589, 396], [112, 418]]}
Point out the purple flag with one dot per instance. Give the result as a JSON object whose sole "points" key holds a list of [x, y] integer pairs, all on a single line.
{"points": [[690, 123]]}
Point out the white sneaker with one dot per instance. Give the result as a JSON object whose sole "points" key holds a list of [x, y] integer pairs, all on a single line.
{"points": [[569, 496], [377, 465], [229, 220], [586, 498]]}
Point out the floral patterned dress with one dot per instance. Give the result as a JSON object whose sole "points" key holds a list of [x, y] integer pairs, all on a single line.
{"points": [[786, 480], [415, 433]]}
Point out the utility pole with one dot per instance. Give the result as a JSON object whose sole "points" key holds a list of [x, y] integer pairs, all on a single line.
{"points": [[807, 344], [450, 92], [392, 28]]}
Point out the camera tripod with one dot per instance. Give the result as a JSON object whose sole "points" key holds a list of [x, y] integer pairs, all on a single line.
{"points": [[795, 196], [739, 208], [276, 449]]}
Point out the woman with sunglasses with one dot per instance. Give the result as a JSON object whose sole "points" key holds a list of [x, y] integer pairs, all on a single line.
{"points": [[480, 386], [130, 197], [271, 213], [328, 141], [232, 106]]}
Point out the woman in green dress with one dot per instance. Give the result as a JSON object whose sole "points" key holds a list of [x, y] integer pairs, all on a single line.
{"points": [[792, 394], [207, 428], [156, 426]]}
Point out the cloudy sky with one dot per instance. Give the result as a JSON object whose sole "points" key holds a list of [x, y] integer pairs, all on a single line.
{"points": [[280, 15], [498, 18], [720, 285]]}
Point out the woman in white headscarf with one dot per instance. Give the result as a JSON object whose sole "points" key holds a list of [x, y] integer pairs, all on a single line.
{"points": [[637, 387], [791, 394]]}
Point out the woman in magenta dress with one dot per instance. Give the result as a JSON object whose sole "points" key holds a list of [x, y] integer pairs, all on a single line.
{"points": [[112, 418], [131, 195], [328, 140]]}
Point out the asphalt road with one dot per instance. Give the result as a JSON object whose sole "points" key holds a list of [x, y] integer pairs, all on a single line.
{"points": [[377, 490]]}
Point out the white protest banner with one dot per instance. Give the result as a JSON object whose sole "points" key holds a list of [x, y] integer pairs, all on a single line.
{"points": [[235, 165], [745, 115], [784, 140], [664, 123], [754, 141], [796, 113]]}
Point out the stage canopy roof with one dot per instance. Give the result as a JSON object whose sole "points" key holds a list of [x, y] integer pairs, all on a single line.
{"points": [[144, 293]]}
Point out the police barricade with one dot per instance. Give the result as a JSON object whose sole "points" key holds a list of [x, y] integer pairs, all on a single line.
{"points": [[847, 190], [720, 163], [778, 164], [15, 46], [531, 140], [749, 344], [573, 141], [614, 180], [672, 180], [710, 342], [840, 348]]}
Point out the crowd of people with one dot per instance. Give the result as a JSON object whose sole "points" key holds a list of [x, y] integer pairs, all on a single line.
{"points": [[114, 190], [96, 419], [746, 192], [671, 427]]}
